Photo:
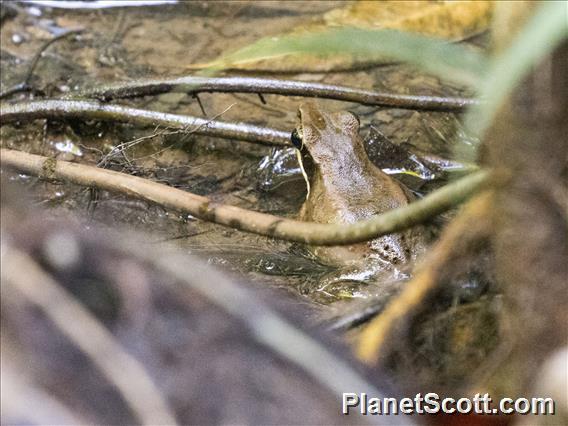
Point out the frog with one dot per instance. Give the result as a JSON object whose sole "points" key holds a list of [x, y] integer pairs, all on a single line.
{"points": [[344, 186]]}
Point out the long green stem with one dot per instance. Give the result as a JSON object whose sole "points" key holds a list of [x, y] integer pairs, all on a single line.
{"points": [[247, 220]]}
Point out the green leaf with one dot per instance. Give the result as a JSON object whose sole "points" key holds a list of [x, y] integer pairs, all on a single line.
{"points": [[449, 61]]}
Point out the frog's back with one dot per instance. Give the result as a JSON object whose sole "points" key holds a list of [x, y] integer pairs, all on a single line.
{"points": [[346, 187]]}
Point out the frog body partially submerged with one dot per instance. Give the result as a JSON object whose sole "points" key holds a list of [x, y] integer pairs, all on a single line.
{"points": [[346, 187]]}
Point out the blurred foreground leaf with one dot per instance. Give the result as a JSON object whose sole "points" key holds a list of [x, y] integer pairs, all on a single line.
{"points": [[449, 61], [450, 20], [542, 33]]}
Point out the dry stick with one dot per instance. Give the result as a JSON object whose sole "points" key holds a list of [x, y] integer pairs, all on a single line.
{"points": [[63, 109], [470, 226], [247, 220], [23, 274], [195, 84]]}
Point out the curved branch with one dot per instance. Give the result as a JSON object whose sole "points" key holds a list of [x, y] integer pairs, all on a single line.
{"points": [[196, 84], [246, 220], [62, 109]]}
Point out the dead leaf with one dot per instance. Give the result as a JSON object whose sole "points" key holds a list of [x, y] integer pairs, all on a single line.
{"points": [[452, 20]]}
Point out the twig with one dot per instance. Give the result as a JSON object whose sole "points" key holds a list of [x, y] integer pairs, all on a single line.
{"points": [[468, 228], [62, 109], [25, 86], [121, 148], [23, 274], [201, 107], [246, 220], [195, 84]]}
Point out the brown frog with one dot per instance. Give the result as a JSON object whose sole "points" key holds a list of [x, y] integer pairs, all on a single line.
{"points": [[344, 186]]}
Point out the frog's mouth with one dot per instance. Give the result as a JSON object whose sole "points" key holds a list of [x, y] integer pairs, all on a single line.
{"points": [[297, 140]]}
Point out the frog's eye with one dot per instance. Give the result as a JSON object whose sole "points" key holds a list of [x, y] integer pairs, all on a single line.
{"points": [[296, 139], [348, 122], [356, 118]]}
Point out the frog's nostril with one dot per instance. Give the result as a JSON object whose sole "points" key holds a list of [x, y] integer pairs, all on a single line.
{"points": [[296, 139]]}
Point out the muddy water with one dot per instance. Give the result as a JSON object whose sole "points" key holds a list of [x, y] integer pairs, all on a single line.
{"points": [[158, 41]]}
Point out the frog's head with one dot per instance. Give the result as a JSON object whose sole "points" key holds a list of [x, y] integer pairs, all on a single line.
{"points": [[321, 134], [324, 140]]}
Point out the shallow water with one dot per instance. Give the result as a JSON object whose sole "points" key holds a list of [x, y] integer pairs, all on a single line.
{"points": [[125, 43]]}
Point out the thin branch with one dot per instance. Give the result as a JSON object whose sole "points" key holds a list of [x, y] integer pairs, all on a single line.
{"points": [[469, 227], [63, 109], [25, 86], [23, 274], [195, 84], [246, 220]]}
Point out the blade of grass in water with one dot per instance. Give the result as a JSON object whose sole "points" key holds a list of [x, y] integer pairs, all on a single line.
{"points": [[449, 61]]}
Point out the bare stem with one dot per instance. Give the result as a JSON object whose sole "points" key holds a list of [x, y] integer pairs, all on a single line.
{"points": [[247, 220], [196, 84], [62, 109]]}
